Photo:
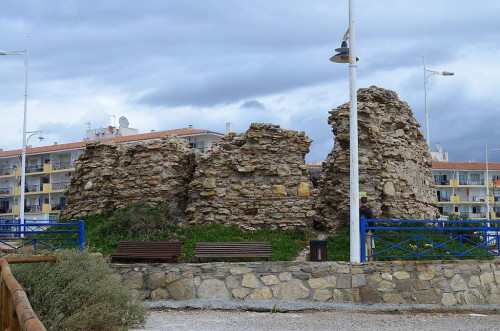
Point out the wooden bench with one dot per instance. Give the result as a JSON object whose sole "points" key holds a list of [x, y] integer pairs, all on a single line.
{"points": [[147, 250], [229, 250]]}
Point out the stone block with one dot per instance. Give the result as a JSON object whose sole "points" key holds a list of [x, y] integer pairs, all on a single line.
{"points": [[239, 270], [385, 286], [291, 290], [368, 294], [159, 294], [170, 278], [240, 293], [449, 299], [270, 280], [474, 281], [427, 296], [134, 280], [344, 281], [458, 283], [156, 279], [486, 278], [285, 276], [213, 289], [182, 289], [322, 295], [393, 298], [262, 293], [401, 275], [474, 297], [318, 283], [358, 280], [249, 280]]}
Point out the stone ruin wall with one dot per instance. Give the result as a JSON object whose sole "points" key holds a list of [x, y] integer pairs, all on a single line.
{"points": [[109, 176], [394, 162], [254, 179], [259, 178]]}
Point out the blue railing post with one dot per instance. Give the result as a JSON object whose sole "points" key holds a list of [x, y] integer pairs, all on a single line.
{"points": [[362, 227], [81, 234]]}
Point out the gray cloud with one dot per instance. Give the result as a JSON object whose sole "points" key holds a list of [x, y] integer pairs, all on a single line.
{"points": [[252, 104]]}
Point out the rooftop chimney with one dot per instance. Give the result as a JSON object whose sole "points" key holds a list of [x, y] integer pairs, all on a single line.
{"points": [[229, 127]]}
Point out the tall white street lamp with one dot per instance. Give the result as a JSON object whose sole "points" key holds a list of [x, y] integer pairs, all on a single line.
{"points": [[24, 54], [427, 74], [348, 55]]}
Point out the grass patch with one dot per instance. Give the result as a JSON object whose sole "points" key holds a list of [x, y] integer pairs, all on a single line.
{"points": [[78, 292], [103, 232], [338, 245]]}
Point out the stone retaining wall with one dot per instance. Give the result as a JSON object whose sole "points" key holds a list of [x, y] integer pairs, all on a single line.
{"points": [[435, 282]]}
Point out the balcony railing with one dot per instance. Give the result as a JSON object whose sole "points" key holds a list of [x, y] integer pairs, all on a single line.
{"points": [[5, 171], [6, 190], [471, 182], [32, 188], [472, 198], [57, 206], [442, 182], [444, 199], [34, 168], [62, 165], [60, 186], [32, 208]]}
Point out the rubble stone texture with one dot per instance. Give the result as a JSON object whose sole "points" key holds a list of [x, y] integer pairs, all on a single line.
{"points": [[256, 179], [110, 176], [394, 162]]}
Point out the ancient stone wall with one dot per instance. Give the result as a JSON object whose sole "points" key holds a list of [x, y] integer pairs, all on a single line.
{"points": [[109, 176], [449, 283], [253, 180], [394, 161]]}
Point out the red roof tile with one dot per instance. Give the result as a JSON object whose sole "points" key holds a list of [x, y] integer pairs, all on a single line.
{"points": [[131, 138], [436, 165]]}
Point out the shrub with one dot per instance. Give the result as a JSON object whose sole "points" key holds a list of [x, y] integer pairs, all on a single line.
{"points": [[78, 292]]}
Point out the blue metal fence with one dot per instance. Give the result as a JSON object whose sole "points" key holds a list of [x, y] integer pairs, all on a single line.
{"points": [[41, 235], [428, 239]]}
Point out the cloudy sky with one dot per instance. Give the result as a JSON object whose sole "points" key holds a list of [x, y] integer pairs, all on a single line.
{"points": [[166, 64]]}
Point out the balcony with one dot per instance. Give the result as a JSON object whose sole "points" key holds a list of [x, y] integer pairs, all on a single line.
{"points": [[57, 206], [62, 166], [7, 171], [34, 168], [479, 182], [60, 186], [6, 190], [32, 208], [442, 182]]}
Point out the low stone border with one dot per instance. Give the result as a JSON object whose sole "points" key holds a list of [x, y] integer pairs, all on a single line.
{"points": [[449, 283]]}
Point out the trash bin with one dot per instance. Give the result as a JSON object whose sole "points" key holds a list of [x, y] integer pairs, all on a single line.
{"points": [[318, 251]]}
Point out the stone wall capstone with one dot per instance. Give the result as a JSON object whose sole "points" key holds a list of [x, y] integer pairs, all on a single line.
{"points": [[394, 162], [109, 176], [255, 179]]}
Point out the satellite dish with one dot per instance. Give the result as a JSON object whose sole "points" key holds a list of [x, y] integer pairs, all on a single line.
{"points": [[123, 121]]}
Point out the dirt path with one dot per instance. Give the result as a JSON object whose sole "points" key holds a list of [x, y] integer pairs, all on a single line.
{"points": [[213, 320]]}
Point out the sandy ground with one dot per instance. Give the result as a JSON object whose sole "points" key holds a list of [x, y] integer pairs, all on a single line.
{"points": [[202, 319]]}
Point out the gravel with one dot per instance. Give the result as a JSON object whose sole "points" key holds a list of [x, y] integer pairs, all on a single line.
{"points": [[296, 315]]}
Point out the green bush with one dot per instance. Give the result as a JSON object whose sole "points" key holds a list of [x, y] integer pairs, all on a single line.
{"points": [[78, 292]]}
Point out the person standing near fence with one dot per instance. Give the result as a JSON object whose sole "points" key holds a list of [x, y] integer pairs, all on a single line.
{"points": [[366, 211]]}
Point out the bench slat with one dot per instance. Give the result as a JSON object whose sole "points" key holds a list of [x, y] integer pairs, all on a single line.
{"points": [[243, 249], [139, 250]]}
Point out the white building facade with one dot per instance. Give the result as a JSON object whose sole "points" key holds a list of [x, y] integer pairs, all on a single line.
{"points": [[468, 188], [49, 169]]}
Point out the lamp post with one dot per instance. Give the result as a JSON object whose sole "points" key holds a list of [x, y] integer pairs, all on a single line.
{"points": [[427, 74], [24, 54], [348, 55]]}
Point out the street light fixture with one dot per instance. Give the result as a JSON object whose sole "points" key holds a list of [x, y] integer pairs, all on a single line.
{"points": [[348, 55], [24, 54], [427, 74]]}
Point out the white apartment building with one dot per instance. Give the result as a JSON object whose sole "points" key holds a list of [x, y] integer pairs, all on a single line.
{"points": [[469, 188], [49, 168]]}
